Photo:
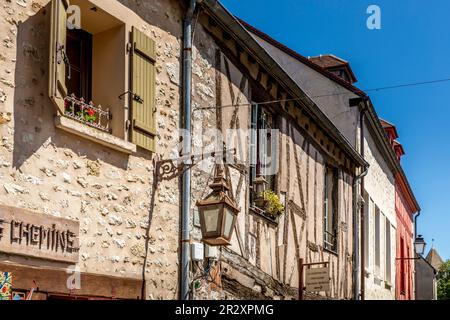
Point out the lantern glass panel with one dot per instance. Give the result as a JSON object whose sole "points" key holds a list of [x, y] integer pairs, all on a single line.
{"points": [[228, 223], [211, 217], [420, 245]]}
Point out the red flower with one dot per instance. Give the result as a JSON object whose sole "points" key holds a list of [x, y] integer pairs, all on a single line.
{"points": [[4, 289], [91, 112]]}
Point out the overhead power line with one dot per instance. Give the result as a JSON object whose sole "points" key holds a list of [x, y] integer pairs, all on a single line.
{"points": [[405, 85], [409, 85]]}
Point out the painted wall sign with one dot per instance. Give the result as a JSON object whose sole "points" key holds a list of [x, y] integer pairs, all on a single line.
{"points": [[317, 279], [5, 285], [33, 234]]}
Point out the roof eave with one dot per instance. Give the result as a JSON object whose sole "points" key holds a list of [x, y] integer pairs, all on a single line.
{"points": [[374, 120], [389, 151], [302, 59], [234, 26]]}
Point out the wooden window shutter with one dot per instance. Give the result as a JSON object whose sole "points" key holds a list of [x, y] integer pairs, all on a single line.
{"points": [[143, 132], [57, 66]]}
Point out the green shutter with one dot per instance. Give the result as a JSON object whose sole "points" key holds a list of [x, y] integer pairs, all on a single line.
{"points": [[57, 67], [143, 131]]}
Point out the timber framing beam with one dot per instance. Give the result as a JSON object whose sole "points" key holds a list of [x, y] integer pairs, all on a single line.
{"points": [[261, 68]]}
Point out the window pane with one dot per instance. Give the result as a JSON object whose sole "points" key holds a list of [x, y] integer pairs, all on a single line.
{"points": [[330, 208], [367, 212], [79, 54], [253, 149], [74, 83], [377, 239], [388, 251]]}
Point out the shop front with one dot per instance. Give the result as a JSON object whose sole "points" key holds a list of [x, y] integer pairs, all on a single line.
{"points": [[39, 256]]}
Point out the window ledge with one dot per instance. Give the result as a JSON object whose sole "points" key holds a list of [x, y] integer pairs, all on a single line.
{"points": [[331, 251], [262, 214], [95, 135]]}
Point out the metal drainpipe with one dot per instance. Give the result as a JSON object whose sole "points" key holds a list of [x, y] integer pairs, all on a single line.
{"points": [[362, 233], [415, 224], [358, 282], [356, 234], [186, 125]]}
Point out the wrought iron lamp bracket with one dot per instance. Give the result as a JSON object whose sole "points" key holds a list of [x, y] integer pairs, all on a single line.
{"points": [[169, 169]]}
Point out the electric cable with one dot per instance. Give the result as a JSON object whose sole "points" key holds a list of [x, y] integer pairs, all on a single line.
{"points": [[405, 85]]}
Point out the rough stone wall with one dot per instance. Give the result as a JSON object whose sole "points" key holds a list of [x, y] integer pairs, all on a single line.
{"points": [[56, 173], [380, 186], [208, 82]]}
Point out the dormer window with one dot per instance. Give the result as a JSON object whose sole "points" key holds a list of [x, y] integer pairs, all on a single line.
{"points": [[337, 66], [341, 73], [392, 135]]}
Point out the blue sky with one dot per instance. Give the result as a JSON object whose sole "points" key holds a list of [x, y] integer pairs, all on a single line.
{"points": [[413, 45]]}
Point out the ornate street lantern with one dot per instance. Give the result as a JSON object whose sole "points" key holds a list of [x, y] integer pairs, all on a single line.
{"points": [[419, 245], [218, 212]]}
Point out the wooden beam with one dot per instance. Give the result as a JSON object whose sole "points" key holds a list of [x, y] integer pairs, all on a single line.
{"points": [[54, 281]]}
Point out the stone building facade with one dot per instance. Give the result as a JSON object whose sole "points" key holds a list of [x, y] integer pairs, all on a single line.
{"points": [[405, 272], [405, 208], [101, 181], [117, 230], [263, 259], [328, 80], [426, 279]]}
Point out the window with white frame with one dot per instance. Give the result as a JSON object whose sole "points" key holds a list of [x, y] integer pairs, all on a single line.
{"points": [[388, 253], [377, 233], [263, 153], [367, 212]]}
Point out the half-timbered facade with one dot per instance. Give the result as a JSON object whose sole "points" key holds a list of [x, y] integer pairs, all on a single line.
{"points": [[315, 170], [88, 106], [329, 81]]}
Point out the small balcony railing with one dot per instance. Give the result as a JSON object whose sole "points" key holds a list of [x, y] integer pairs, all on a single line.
{"points": [[87, 113]]}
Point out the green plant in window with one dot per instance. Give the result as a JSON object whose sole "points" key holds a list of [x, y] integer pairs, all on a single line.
{"points": [[89, 115], [69, 107], [273, 205]]}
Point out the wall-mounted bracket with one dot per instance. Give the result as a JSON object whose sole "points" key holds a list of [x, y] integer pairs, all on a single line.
{"points": [[134, 96]]}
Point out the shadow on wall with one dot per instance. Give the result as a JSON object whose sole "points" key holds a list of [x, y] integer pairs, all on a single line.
{"points": [[150, 10], [34, 111]]}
